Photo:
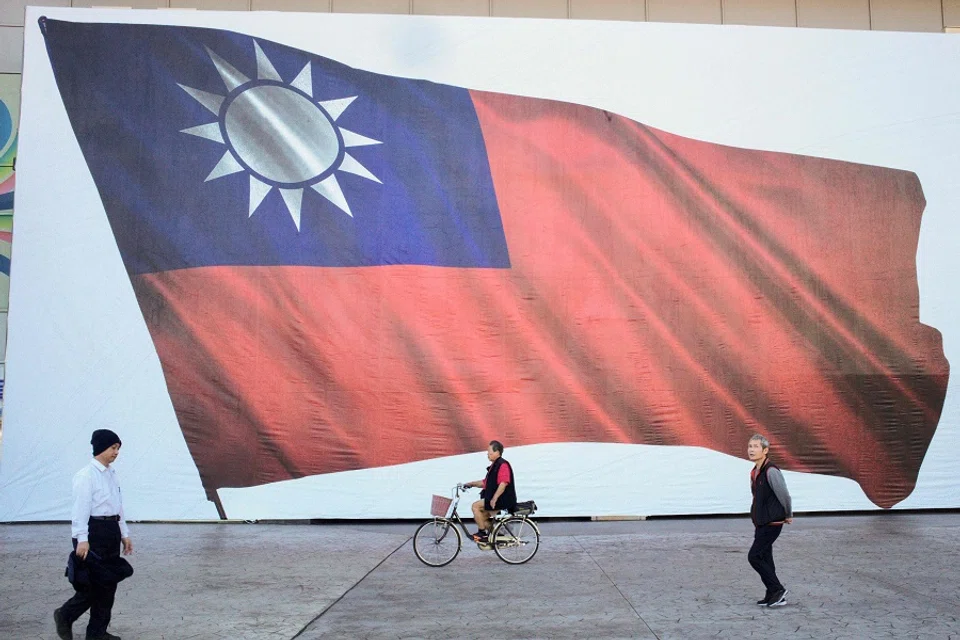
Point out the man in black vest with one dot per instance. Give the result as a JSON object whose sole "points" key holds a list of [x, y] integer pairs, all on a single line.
{"points": [[498, 491], [770, 509]]}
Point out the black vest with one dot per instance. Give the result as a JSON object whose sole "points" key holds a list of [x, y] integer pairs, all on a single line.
{"points": [[508, 500], [766, 507]]}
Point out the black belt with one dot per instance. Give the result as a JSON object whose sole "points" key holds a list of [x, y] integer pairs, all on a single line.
{"points": [[110, 518]]}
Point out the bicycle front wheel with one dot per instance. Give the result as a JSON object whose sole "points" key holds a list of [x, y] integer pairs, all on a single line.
{"points": [[516, 540], [436, 542]]}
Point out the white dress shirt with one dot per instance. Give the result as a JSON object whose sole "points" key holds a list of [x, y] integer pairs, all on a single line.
{"points": [[96, 492]]}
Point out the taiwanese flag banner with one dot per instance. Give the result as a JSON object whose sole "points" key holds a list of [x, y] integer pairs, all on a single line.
{"points": [[344, 270]]}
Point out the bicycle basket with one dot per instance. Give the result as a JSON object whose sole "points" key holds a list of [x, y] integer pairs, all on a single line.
{"points": [[439, 506], [525, 508]]}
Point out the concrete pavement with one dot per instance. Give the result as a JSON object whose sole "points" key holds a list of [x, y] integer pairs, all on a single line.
{"points": [[880, 576]]}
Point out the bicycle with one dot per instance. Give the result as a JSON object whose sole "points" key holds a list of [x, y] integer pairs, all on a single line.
{"points": [[515, 538]]}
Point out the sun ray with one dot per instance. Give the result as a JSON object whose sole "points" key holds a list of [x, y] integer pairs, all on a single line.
{"points": [[330, 189], [293, 199], [209, 131], [351, 139], [336, 107], [265, 68], [211, 101], [231, 77], [258, 191], [227, 165], [351, 165], [304, 81]]}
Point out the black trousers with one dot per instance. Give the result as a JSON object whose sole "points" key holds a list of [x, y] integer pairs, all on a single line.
{"points": [[761, 555], [104, 539]]}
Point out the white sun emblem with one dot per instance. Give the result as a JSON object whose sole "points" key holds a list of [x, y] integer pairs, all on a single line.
{"points": [[279, 135]]}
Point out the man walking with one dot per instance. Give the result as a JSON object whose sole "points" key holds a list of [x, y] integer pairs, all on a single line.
{"points": [[771, 508], [99, 530]]}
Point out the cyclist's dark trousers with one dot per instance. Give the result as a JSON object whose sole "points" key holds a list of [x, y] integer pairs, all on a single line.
{"points": [[104, 539], [761, 555]]}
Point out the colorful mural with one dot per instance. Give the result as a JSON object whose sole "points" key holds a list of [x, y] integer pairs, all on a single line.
{"points": [[9, 118]]}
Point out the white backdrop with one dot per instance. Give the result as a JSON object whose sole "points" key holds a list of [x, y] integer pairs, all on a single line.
{"points": [[80, 357]]}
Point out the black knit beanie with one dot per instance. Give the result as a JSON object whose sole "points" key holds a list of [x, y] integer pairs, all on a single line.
{"points": [[103, 439]]}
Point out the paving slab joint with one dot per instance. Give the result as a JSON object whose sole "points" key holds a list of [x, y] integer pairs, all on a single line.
{"points": [[615, 586], [352, 587]]}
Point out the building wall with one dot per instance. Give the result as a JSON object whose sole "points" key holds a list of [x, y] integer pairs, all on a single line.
{"points": [[893, 15]]}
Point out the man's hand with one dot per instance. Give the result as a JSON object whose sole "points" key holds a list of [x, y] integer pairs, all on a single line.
{"points": [[493, 504], [127, 546], [789, 520], [83, 548]]}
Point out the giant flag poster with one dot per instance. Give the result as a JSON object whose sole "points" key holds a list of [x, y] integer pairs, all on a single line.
{"points": [[335, 275]]}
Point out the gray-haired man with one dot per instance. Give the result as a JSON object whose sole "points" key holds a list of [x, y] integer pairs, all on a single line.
{"points": [[770, 509]]}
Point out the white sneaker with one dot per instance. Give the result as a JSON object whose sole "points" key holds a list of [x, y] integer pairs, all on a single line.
{"points": [[778, 599]]}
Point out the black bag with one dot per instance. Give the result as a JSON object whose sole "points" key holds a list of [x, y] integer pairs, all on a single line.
{"points": [[524, 508], [77, 571], [96, 570]]}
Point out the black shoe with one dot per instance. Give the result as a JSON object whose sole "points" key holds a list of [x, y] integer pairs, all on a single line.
{"points": [[480, 536], [106, 636], [64, 628], [765, 601], [778, 599]]}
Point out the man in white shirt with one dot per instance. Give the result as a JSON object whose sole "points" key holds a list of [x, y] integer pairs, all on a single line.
{"points": [[98, 529]]}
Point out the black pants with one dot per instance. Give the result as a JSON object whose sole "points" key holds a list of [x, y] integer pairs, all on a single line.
{"points": [[761, 555], [104, 539]]}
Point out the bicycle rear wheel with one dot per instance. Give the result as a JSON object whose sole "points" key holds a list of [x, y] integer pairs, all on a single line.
{"points": [[436, 542], [516, 540]]}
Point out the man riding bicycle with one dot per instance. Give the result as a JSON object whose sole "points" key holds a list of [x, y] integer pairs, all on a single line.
{"points": [[498, 491]]}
